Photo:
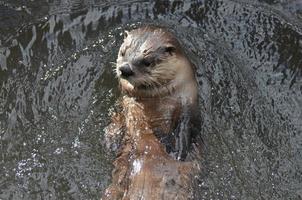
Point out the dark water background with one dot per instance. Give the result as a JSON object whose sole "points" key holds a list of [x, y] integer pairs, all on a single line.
{"points": [[57, 88]]}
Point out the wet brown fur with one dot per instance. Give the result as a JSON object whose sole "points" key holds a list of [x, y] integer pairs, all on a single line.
{"points": [[153, 110]]}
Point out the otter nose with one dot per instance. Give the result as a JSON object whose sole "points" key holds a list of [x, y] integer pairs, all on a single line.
{"points": [[126, 71]]}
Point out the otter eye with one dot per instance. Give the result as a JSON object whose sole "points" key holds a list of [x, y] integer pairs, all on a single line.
{"points": [[122, 53], [146, 62]]}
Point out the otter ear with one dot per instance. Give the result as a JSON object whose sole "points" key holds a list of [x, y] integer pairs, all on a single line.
{"points": [[170, 49], [126, 33]]}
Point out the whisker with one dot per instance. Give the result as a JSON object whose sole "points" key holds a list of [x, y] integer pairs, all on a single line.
{"points": [[113, 64]]}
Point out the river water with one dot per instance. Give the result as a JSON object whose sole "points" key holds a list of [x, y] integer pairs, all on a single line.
{"points": [[57, 90]]}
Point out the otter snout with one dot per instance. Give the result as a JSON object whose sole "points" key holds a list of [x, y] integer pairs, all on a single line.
{"points": [[126, 70]]}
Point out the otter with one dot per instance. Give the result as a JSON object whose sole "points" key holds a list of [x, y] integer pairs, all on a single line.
{"points": [[158, 125]]}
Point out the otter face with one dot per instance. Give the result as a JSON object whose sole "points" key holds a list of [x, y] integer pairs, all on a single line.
{"points": [[148, 59]]}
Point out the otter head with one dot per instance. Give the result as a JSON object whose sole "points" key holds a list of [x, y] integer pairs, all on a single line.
{"points": [[150, 62]]}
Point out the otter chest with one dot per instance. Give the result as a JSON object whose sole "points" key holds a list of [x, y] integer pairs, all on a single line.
{"points": [[162, 114]]}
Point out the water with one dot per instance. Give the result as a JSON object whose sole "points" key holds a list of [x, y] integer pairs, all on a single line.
{"points": [[57, 90]]}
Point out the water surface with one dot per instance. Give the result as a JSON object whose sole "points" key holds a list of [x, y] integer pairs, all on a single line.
{"points": [[57, 90]]}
